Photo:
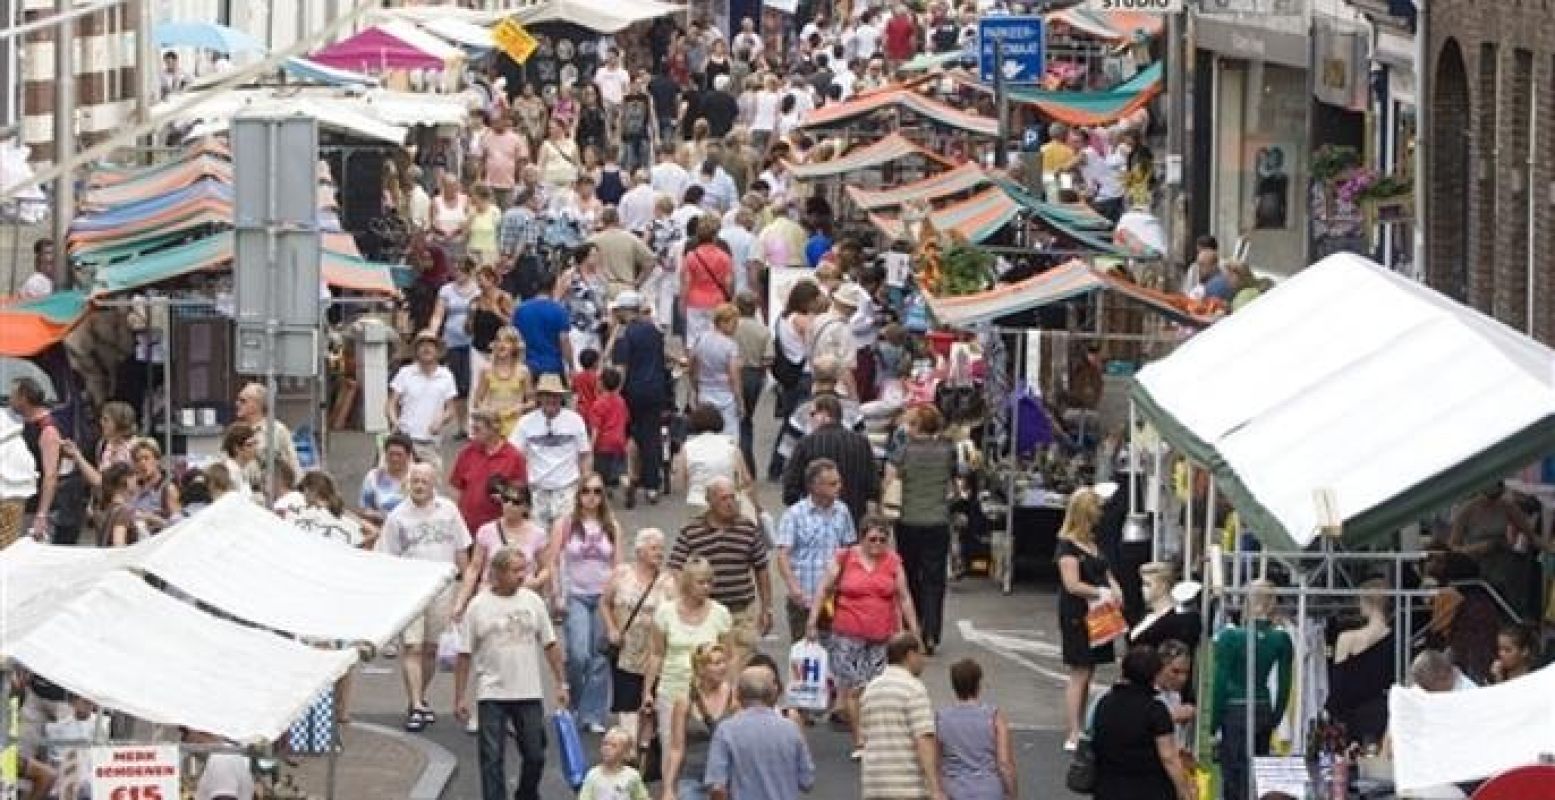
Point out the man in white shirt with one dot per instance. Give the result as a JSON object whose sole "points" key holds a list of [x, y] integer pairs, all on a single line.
{"points": [[719, 193], [612, 80], [555, 443], [418, 202], [226, 775], [748, 39], [505, 630], [429, 528], [253, 408], [668, 176], [41, 282], [421, 398], [689, 209], [845, 77], [637, 204], [867, 36]]}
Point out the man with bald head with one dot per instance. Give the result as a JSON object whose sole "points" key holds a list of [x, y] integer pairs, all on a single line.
{"points": [[429, 528], [253, 408], [757, 754], [737, 549]]}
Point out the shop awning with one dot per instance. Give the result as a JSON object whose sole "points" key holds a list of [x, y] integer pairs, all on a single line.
{"points": [[1114, 26], [924, 62], [1076, 221], [1447, 738], [1053, 286], [339, 270], [32, 326], [111, 174], [160, 182], [203, 193], [464, 34], [391, 45], [894, 147], [1095, 108], [902, 99], [412, 108], [964, 178], [975, 219], [601, 16], [342, 117], [1354, 380]]}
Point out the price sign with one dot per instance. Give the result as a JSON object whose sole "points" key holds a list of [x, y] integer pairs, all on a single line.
{"points": [[147, 772], [511, 38]]}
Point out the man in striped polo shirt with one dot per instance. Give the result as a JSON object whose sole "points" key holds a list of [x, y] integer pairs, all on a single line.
{"points": [[737, 550], [901, 754]]}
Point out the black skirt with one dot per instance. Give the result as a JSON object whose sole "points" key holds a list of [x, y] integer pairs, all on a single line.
{"points": [[626, 695]]}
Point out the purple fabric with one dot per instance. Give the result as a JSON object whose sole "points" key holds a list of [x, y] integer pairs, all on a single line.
{"points": [[375, 49]]}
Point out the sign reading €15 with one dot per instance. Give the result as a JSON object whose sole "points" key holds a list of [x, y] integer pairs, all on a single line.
{"points": [[146, 772], [511, 38]]}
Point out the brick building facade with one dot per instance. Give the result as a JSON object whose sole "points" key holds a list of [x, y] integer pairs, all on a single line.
{"points": [[1490, 139], [106, 77]]}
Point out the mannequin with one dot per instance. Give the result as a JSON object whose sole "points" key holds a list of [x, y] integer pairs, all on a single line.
{"points": [[1168, 616], [1363, 670], [1272, 648]]}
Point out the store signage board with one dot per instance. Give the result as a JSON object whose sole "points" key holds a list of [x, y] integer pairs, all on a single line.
{"points": [[1264, 8], [1024, 44], [1138, 6], [138, 772], [511, 38]]}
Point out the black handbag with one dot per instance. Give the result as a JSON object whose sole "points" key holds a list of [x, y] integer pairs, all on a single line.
{"points": [[1081, 776], [612, 651]]}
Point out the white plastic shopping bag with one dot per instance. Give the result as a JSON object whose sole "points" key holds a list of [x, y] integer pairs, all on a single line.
{"points": [[448, 649], [809, 673]]}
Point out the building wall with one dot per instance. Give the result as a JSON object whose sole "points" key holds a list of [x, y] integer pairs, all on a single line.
{"points": [[106, 80], [1507, 246]]}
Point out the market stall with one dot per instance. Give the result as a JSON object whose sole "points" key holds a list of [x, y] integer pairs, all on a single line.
{"points": [[887, 161], [907, 110]]}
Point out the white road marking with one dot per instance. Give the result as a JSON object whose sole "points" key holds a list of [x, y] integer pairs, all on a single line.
{"points": [[1013, 649]]}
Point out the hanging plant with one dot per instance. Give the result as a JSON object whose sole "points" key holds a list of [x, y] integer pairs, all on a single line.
{"points": [[1332, 161], [965, 269]]}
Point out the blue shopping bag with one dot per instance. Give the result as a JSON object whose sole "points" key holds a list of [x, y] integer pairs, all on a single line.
{"points": [[574, 764]]}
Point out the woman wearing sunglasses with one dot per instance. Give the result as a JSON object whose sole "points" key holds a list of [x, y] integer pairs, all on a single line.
{"points": [[584, 552], [870, 601], [513, 529]]}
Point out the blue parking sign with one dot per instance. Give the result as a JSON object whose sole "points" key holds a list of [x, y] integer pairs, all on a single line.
{"points": [[1025, 45]]}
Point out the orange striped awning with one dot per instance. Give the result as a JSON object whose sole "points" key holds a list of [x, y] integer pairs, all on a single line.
{"points": [[902, 99], [894, 147], [964, 178], [976, 218]]}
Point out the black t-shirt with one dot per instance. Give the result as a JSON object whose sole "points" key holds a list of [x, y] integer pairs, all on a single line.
{"points": [[666, 94], [945, 36], [720, 110], [1128, 721], [821, 81], [692, 97], [636, 111]]}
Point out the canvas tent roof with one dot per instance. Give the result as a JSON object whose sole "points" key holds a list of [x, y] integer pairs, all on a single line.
{"points": [[85, 618], [1095, 108], [1117, 26], [878, 153], [340, 267], [975, 218], [963, 178], [1053, 286], [600, 16], [904, 99], [1446, 738], [1355, 380], [32, 326], [394, 44]]}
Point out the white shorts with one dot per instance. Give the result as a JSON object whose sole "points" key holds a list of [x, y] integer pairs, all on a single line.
{"points": [[429, 627]]}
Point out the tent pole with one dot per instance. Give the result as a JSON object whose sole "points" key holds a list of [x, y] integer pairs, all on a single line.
{"points": [[334, 757], [1156, 505], [1009, 492], [1187, 531], [167, 380]]}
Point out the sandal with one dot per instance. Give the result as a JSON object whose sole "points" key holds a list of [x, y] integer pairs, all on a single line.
{"points": [[428, 716], [414, 722]]}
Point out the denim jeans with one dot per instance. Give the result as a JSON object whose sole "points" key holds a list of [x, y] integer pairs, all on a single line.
{"points": [[526, 718], [690, 789], [588, 673], [636, 154], [752, 381]]}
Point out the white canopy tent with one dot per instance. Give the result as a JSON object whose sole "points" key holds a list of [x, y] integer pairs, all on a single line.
{"points": [[1355, 380], [596, 15], [1456, 737], [87, 620], [132, 648]]}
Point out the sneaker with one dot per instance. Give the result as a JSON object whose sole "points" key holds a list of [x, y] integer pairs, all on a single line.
{"points": [[653, 497], [472, 725], [1071, 745], [857, 754]]}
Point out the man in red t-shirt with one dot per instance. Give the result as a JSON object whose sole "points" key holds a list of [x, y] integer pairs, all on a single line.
{"points": [[608, 425], [487, 455], [901, 37]]}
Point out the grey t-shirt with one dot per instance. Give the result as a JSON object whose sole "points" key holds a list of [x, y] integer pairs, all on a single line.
{"points": [[925, 467], [712, 353]]}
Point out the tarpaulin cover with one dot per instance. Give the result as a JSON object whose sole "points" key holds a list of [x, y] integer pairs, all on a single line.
{"points": [[1095, 108], [601, 16], [1356, 380], [154, 183], [392, 45], [240, 558], [1445, 738], [1056, 285], [879, 153], [1077, 221], [459, 32], [900, 99], [140, 212], [32, 326], [974, 219], [108, 175], [129, 647], [339, 270], [964, 178], [1117, 26], [309, 70]]}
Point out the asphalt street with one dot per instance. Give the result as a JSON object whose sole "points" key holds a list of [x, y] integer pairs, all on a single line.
{"points": [[1014, 638]]}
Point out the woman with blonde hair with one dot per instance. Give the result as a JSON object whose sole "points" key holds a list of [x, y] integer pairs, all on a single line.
{"points": [[1087, 579], [695, 618], [695, 717], [505, 387]]}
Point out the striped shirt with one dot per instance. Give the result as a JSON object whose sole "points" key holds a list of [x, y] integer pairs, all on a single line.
{"points": [[734, 550], [518, 232], [855, 459], [895, 711]]}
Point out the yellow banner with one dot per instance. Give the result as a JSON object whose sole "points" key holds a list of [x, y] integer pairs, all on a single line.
{"points": [[511, 38]]}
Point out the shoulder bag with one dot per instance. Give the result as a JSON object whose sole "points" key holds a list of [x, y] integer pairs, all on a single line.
{"points": [[723, 290], [612, 651]]}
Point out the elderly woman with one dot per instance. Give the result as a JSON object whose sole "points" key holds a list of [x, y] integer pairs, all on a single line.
{"points": [[383, 487], [926, 467], [709, 452], [871, 604], [1134, 740], [632, 598], [117, 421]]}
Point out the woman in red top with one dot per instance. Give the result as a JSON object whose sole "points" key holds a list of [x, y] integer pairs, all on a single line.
{"points": [[868, 590], [707, 278]]}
